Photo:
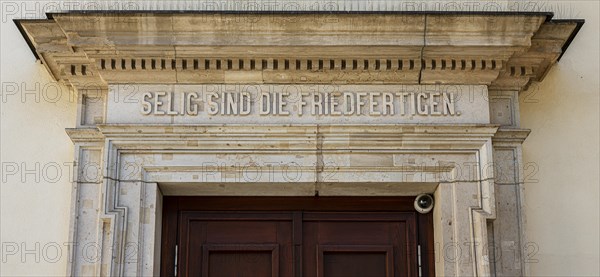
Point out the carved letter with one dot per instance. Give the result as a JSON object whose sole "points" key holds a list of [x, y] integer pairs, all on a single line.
{"points": [[158, 103], [213, 107], [232, 105], [334, 103], [373, 103], [422, 109], [435, 110], [245, 103], [388, 104], [192, 106], [170, 104], [412, 103], [265, 103], [360, 103], [283, 103], [401, 102], [348, 103], [448, 103], [146, 104], [317, 106], [302, 103]]}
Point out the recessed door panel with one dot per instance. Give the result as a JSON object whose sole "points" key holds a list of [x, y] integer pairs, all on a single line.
{"points": [[384, 241], [355, 260], [240, 260], [235, 244]]}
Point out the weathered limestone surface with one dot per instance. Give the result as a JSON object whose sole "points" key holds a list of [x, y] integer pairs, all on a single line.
{"points": [[507, 233], [502, 50], [129, 155]]}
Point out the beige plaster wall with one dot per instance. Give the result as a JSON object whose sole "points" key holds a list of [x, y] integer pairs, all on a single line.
{"points": [[562, 156], [36, 156]]}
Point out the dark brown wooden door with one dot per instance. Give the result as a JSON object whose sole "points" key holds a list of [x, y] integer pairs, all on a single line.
{"points": [[263, 236], [359, 244], [235, 244]]}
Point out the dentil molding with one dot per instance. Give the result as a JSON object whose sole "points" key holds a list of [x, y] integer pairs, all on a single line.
{"points": [[502, 50]]}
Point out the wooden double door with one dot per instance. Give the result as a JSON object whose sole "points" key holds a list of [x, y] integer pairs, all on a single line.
{"points": [[316, 236]]}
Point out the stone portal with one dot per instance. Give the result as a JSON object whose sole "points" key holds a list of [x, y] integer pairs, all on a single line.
{"points": [[298, 104]]}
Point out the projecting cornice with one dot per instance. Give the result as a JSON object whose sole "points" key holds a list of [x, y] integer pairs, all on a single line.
{"points": [[502, 50]]}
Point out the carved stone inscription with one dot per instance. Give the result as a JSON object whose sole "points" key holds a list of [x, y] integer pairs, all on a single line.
{"points": [[297, 104], [336, 103]]}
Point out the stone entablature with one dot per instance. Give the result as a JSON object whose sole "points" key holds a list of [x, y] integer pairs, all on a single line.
{"points": [[503, 50]]}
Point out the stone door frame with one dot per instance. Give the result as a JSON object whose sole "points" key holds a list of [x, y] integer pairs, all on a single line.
{"points": [[453, 162]]}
